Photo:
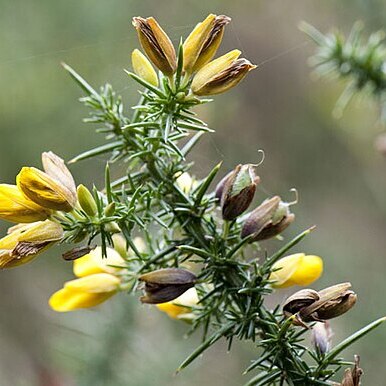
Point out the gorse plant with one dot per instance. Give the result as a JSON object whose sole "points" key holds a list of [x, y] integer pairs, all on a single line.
{"points": [[193, 250]]}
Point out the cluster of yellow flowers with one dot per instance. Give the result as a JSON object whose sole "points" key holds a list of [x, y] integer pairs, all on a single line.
{"points": [[31, 203], [210, 76]]}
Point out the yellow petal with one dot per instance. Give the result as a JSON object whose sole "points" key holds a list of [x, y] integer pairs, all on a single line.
{"points": [[68, 300], [98, 283], [15, 207], [308, 271], [297, 269], [195, 41], [44, 190], [180, 306], [94, 263], [143, 68]]}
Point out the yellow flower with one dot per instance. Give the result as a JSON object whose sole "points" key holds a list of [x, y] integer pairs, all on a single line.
{"points": [[180, 308], [15, 207], [93, 263], [85, 292], [297, 269], [44, 190], [221, 74], [156, 44], [143, 68], [25, 241], [203, 42]]}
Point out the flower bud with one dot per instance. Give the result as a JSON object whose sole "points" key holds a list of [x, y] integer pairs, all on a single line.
{"points": [[238, 191], [297, 269], [320, 306], [110, 209], [203, 42], [44, 190], [143, 68], [85, 292], [268, 220], [321, 337], [164, 285], [156, 44], [16, 207], [86, 200], [221, 74]]}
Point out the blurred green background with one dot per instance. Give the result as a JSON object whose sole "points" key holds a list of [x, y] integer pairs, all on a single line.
{"points": [[341, 179]]}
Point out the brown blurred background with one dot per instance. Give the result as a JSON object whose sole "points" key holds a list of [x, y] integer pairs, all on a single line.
{"points": [[341, 179]]}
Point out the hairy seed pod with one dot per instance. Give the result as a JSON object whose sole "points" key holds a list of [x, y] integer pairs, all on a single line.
{"points": [[238, 191], [268, 220]]}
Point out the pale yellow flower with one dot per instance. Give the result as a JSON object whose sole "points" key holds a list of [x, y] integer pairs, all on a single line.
{"points": [[93, 263], [85, 292], [297, 269], [180, 308], [143, 68]]}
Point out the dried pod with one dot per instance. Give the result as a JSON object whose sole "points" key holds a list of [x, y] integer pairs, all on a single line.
{"points": [[339, 300], [238, 191], [156, 44], [352, 377], [167, 284], [268, 220], [300, 299], [332, 302]]}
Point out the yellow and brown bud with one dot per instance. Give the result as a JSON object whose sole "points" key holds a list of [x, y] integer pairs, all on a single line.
{"points": [[26, 241], [156, 44], [16, 207], [86, 200], [202, 43], [167, 284], [45, 191], [268, 220], [143, 68], [237, 191], [221, 74], [329, 303], [55, 167]]}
